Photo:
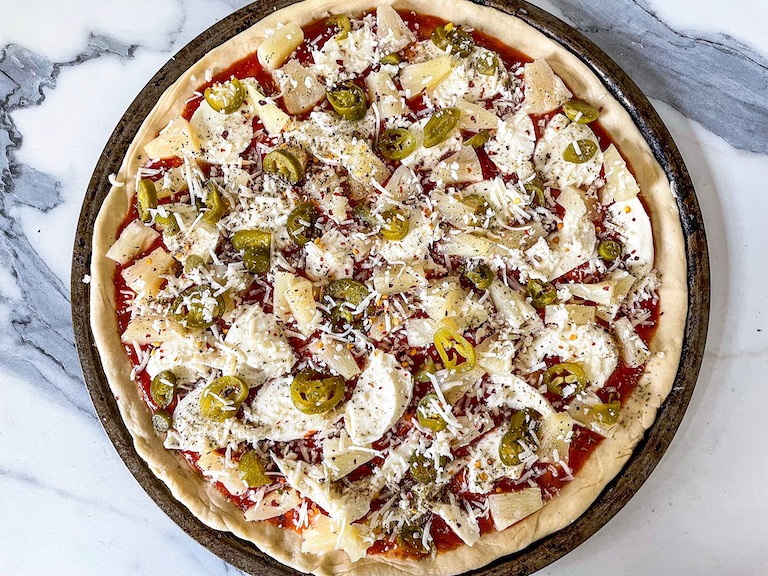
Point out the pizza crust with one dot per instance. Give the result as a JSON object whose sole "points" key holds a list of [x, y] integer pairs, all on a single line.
{"points": [[201, 497]]}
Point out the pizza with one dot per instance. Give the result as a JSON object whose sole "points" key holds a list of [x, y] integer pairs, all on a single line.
{"points": [[384, 291]]}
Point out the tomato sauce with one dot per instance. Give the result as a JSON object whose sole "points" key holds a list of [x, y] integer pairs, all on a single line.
{"points": [[550, 478]]}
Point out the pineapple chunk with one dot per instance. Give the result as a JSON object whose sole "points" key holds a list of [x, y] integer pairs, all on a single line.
{"points": [[326, 535], [467, 245], [442, 298], [417, 77], [562, 314], [393, 34], [511, 306], [273, 118], [544, 90], [609, 292], [173, 140], [144, 277], [336, 356], [383, 92], [507, 509], [495, 355], [214, 466], [149, 330], [555, 435], [301, 90], [619, 182], [396, 279], [363, 165], [633, 350], [277, 48], [301, 303], [403, 184], [341, 456], [475, 117], [274, 504], [461, 168], [135, 239]]}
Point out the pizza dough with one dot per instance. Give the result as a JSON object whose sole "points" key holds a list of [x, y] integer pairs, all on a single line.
{"points": [[206, 503]]}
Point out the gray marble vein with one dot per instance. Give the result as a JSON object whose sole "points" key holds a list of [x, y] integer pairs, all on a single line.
{"points": [[711, 78], [38, 339]]}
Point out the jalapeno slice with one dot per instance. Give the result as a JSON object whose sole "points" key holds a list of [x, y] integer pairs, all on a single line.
{"points": [[342, 23], [250, 239], [197, 307], [161, 421], [396, 224], [168, 223], [252, 471], [426, 369], [423, 468], [222, 398], [284, 164], [460, 41], [193, 262], [314, 393], [163, 388], [428, 416], [348, 100], [580, 151], [448, 338], [348, 290], [565, 379], [440, 126], [487, 64], [580, 112], [393, 58], [522, 425], [411, 538], [481, 207], [541, 293], [606, 413], [225, 97], [609, 250], [216, 204], [301, 223], [481, 276], [257, 260], [255, 245], [478, 139], [535, 188], [146, 198], [397, 143]]}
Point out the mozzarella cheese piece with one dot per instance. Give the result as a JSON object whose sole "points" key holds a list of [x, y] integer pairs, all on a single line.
{"points": [[620, 184], [589, 345], [379, 399], [272, 415], [509, 390], [485, 466], [511, 149], [569, 247], [222, 136], [423, 231], [630, 220], [256, 348], [330, 258], [548, 156]]}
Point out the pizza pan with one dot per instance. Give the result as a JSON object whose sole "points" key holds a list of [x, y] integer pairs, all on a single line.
{"points": [[648, 452]]}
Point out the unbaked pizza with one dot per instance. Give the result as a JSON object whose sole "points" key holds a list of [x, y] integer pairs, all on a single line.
{"points": [[379, 291]]}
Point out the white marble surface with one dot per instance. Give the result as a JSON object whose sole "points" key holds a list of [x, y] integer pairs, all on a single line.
{"points": [[68, 70]]}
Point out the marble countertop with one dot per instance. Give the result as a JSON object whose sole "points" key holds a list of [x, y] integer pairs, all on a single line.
{"points": [[68, 70]]}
